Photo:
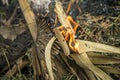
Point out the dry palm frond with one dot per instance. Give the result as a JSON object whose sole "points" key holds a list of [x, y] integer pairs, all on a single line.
{"points": [[82, 58], [48, 58]]}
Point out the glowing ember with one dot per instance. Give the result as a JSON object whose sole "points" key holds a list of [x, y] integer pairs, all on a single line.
{"points": [[69, 33]]}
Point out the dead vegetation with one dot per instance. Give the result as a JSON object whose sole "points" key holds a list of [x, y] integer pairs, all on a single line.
{"points": [[87, 47]]}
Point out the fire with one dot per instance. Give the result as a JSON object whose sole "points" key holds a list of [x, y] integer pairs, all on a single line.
{"points": [[76, 46], [69, 33]]}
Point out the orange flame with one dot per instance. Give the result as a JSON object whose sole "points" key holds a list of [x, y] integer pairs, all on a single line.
{"points": [[69, 33]]}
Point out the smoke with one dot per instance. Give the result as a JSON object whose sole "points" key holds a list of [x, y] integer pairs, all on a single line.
{"points": [[42, 5]]}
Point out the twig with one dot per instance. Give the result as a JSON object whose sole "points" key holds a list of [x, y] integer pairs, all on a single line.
{"points": [[14, 69], [8, 23]]}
